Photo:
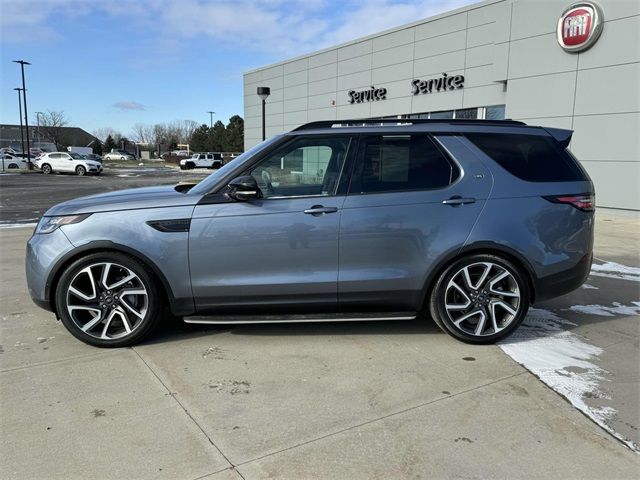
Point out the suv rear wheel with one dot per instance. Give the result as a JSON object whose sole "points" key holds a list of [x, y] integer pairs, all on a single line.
{"points": [[480, 298], [108, 300], [46, 168]]}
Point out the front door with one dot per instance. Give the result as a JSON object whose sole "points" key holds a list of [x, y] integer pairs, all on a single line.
{"points": [[409, 205], [280, 250]]}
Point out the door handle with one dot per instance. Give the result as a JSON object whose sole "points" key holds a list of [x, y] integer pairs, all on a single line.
{"points": [[318, 210], [457, 201]]}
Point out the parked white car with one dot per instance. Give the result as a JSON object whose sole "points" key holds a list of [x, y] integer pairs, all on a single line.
{"points": [[202, 160], [118, 155], [67, 162], [9, 161]]}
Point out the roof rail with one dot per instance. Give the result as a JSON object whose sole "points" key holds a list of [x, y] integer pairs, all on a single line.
{"points": [[372, 122]]}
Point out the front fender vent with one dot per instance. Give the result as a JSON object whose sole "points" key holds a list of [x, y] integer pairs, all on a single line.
{"points": [[171, 226]]}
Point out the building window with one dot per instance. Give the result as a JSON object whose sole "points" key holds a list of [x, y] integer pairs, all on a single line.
{"points": [[442, 115], [467, 113], [496, 112]]}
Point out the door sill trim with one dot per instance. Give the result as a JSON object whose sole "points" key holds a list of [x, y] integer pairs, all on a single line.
{"points": [[251, 319]]}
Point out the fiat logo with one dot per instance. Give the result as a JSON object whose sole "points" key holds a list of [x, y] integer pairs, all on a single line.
{"points": [[580, 26]]}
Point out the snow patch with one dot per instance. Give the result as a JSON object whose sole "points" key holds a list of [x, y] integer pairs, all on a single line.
{"points": [[564, 362], [616, 270], [604, 311], [586, 286]]}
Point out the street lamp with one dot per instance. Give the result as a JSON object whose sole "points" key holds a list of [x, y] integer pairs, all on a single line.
{"points": [[211, 121], [18, 89], [263, 93], [26, 117]]}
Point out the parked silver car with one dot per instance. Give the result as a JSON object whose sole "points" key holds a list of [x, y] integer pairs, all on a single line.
{"points": [[466, 222]]}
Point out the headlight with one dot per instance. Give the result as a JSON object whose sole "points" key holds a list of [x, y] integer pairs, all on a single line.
{"points": [[49, 224]]}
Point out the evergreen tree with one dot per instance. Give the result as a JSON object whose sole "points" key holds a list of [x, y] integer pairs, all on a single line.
{"points": [[109, 143], [217, 137], [235, 135], [200, 139]]}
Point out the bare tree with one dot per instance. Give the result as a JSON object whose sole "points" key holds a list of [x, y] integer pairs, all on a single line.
{"points": [[51, 127], [141, 133], [104, 132]]}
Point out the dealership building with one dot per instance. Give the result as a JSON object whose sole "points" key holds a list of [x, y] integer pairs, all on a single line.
{"points": [[556, 63]]}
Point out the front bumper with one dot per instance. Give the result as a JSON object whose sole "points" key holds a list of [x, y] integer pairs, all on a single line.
{"points": [[43, 253]]}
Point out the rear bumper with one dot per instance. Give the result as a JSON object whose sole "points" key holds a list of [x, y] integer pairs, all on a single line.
{"points": [[563, 282]]}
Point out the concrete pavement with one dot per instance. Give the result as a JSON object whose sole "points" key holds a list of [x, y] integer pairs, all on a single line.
{"points": [[362, 400]]}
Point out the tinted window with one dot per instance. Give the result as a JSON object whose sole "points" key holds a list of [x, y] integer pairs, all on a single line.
{"points": [[529, 157], [401, 162], [309, 166]]}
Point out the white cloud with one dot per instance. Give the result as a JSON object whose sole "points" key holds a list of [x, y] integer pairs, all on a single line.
{"points": [[127, 105], [279, 27]]}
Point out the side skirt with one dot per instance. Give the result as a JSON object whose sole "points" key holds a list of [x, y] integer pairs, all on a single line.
{"points": [[321, 317]]}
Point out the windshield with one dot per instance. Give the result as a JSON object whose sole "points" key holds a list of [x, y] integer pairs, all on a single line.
{"points": [[207, 184], [75, 155]]}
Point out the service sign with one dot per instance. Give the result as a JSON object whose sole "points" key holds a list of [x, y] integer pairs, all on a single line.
{"points": [[580, 26]]}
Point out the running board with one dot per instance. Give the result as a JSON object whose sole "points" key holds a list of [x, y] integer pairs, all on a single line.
{"points": [[319, 317]]}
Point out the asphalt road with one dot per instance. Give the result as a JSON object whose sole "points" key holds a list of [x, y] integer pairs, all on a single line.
{"points": [[24, 197]]}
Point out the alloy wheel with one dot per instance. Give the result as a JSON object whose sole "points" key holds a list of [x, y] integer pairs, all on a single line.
{"points": [[482, 299], [107, 301]]}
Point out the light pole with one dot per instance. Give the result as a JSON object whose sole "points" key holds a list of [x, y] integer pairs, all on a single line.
{"points": [[211, 121], [26, 117], [38, 120], [263, 93], [18, 89]]}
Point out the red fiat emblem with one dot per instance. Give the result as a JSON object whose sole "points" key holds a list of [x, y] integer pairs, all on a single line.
{"points": [[580, 26]]}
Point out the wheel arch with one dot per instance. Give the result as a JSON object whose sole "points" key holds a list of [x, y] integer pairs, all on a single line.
{"points": [[101, 247], [491, 248]]}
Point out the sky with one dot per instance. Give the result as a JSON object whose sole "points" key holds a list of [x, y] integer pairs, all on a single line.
{"points": [[115, 63]]}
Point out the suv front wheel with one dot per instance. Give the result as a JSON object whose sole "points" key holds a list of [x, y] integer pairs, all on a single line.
{"points": [[480, 298], [108, 300]]}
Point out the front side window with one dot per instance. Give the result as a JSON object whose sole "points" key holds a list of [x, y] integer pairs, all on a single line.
{"points": [[392, 163], [304, 167]]}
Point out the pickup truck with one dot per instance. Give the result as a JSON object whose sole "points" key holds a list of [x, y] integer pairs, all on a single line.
{"points": [[202, 160]]}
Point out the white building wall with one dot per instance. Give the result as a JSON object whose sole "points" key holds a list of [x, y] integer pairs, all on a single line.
{"points": [[508, 53]]}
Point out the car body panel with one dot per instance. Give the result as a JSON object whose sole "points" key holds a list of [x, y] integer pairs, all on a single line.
{"points": [[389, 242], [129, 199], [265, 252]]}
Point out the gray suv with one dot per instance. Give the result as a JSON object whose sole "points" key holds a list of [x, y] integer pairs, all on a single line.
{"points": [[465, 222]]}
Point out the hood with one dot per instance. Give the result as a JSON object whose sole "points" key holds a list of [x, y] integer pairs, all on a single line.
{"points": [[131, 199]]}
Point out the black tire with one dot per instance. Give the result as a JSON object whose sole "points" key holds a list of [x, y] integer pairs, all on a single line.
{"points": [[442, 317], [46, 168], [154, 305], [80, 171], [122, 158], [13, 166], [190, 165]]}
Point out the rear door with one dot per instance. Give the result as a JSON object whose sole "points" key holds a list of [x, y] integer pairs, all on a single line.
{"points": [[412, 200]]}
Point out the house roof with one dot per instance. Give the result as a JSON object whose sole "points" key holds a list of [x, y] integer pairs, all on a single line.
{"points": [[76, 136]]}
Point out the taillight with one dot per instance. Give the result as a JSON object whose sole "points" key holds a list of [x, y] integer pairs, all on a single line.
{"points": [[585, 201]]}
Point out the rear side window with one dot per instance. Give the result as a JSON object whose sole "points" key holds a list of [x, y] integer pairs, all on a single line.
{"points": [[391, 163], [529, 157]]}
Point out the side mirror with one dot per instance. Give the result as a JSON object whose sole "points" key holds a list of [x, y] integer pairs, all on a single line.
{"points": [[244, 188]]}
